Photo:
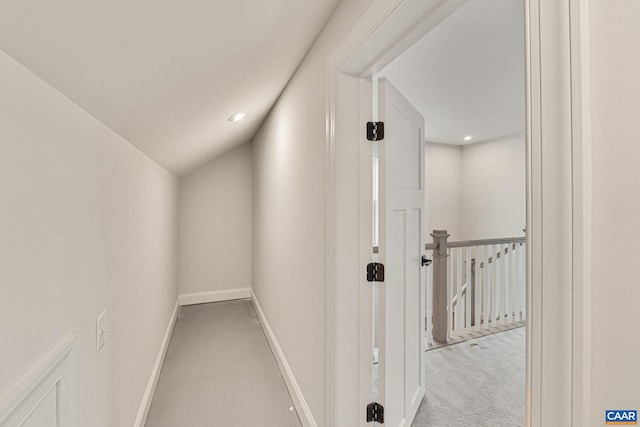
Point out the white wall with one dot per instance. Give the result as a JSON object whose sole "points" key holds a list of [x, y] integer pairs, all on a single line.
{"points": [[87, 223], [494, 188], [477, 191], [615, 59], [215, 224], [289, 213], [444, 189]]}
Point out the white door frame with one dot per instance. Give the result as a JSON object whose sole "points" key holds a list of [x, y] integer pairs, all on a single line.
{"points": [[558, 205]]}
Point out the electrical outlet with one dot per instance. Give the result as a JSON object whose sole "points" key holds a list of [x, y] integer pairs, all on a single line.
{"points": [[101, 330]]}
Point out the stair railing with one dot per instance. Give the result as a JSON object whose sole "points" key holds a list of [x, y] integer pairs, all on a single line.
{"points": [[477, 287]]}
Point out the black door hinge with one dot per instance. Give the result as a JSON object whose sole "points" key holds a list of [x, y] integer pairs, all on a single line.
{"points": [[375, 131], [375, 272], [375, 413]]}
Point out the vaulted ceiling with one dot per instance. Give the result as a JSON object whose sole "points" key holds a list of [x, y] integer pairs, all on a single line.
{"points": [[166, 75], [467, 75]]}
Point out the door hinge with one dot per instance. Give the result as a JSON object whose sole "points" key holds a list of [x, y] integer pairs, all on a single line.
{"points": [[375, 272], [375, 413], [375, 131]]}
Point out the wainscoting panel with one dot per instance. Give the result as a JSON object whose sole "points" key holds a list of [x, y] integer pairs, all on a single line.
{"points": [[41, 399]]}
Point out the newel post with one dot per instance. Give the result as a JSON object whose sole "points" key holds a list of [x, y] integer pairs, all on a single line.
{"points": [[440, 316]]}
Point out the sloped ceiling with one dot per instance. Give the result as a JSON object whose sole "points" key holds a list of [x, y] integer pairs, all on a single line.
{"points": [[467, 75], [166, 75]]}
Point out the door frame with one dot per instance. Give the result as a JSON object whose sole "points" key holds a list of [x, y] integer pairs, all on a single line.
{"points": [[558, 204]]}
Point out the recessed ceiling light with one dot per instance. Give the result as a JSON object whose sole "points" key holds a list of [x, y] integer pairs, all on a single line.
{"points": [[467, 138], [238, 116]]}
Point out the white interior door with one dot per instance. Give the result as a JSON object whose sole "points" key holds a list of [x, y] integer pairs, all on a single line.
{"points": [[401, 245]]}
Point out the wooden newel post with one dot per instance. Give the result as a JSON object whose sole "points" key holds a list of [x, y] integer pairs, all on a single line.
{"points": [[440, 315]]}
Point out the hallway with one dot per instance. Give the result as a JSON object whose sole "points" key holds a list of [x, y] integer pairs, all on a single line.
{"points": [[129, 189], [219, 371]]}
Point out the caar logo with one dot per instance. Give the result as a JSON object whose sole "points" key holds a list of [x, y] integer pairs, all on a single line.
{"points": [[621, 417]]}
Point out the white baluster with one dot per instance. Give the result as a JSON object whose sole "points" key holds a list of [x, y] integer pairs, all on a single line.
{"points": [[523, 280], [486, 288], [482, 289], [477, 300], [428, 324], [468, 301], [460, 300], [504, 277], [495, 301], [518, 288], [510, 283], [452, 289]]}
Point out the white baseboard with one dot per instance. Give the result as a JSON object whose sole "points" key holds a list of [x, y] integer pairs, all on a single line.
{"points": [[145, 405], [294, 389], [213, 296]]}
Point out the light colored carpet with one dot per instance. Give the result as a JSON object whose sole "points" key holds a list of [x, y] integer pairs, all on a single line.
{"points": [[219, 372], [479, 382]]}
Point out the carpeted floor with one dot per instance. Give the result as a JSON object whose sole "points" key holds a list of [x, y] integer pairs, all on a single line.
{"points": [[476, 383], [220, 371]]}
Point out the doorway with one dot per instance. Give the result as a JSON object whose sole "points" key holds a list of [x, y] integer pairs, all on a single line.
{"points": [[466, 78], [552, 392]]}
